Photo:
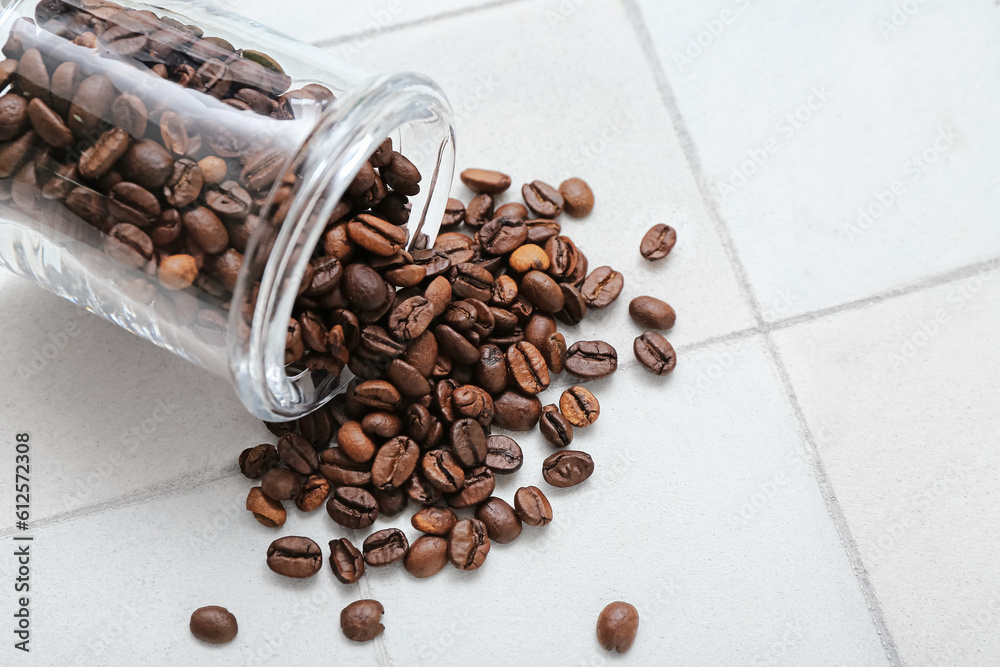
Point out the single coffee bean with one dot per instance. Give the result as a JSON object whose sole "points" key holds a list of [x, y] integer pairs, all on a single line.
{"points": [[385, 547], [527, 368], [91, 106], [422, 492], [515, 411], [454, 214], [294, 346], [479, 485], [407, 379], [479, 211], [205, 228], [485, 181], [529, 257], [579, 406], [148, 164], [382, 423], [502, 525], [574, 307], [363, 287], [532, 507], [391, 502], [540, 230], [427, 556], [65, 79], [654, 353], [376, 235], [352, 507], [543, 199], [438, 294], [554, 351], [555, 428], [32, 76], [434, 520], [578, 197], [341, 470], [254, 462], [474, 402], [298, 453], [460, 316], [294, 556], [49, 126], [651, 313], [128, 112], [591, 359], [502, 236], [177, 272], [602, 287], [213, 625], [512, 210], [313, 493], [230, 202], [394, 463], [280, 484], [468, 544], [658, 242], [346, 561], [443, 470], [542, 291], [491, 369], [213, 169], [411, 318], [455, 345], [563, 257], [268, 512], [468, 441], [97, 160], [617, 626], [14, 118], [129, 245], [401, 175], [355, 443], [317, 427], [567, 468], [503, 455], [378, 394], [361, 621], [135, 205], [470, 281]]}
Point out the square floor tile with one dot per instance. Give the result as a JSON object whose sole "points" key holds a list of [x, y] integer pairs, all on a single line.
{"points": [[912, 387], [547, 102], [850, 145], [108, 414]]}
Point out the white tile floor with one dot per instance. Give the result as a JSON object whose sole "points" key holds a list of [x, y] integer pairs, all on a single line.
{"points": [[828, 494]]}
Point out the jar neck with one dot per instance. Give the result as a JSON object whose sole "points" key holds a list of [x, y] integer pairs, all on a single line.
{"points": [[415, 112]]}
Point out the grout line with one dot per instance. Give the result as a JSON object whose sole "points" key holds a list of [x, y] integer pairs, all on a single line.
{"points": [[172, 487], [394, 27], [691, 155], [826, 489]]}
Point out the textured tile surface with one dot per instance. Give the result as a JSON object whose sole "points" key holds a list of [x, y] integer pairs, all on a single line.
{"points": [[912, 387], [839, 138]]}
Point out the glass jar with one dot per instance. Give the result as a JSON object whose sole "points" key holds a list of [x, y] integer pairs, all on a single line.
{"points": [[198, 179]]}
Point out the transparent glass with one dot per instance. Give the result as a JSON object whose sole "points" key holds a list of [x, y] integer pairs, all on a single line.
{"points": [[173, 168]]}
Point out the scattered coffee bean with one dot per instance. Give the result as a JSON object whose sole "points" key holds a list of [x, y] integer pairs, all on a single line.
{"points": [[280, 484], [658, 242], [555, 428], [579, 406], [361, 621], [485, 181], [293, 556], [532, 507], [617, 626], [313, 493], [652, 313], [213, 624], [578, 197], [503, 455], [434, 520], [254, 462], [502, 524], [427, 556], [385, 547], [591, 359], [267, 511], [543, 199], [352, 507], [346, 561], [468, 544], [567, 468], [654, 353]]}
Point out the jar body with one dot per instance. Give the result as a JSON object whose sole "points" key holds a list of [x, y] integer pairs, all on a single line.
{"points": [[186, 174]]}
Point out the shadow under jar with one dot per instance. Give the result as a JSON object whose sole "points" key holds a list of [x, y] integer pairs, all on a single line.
{"points": [[207, 184]]}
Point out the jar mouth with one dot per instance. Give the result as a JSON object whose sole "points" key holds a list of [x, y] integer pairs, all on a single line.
{"points": [[415, 112]]}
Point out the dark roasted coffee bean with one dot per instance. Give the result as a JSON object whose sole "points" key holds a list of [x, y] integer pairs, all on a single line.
{"points": [[267, 511], [591, 359], [346, 561], [128, 111], [377, 343], [229, 201], [48, 125], [32, 76], [502, 236], [361, 621], [532, 507], [394, 463], [458, 247], [479, 485], [376, 235], [485, 181], [454, 214], [148, 164], [342, 470], [473, 402], [314, 333], [13, 116], [578, 197], [408, 379], [418, 422], [261, 169], [456, 346], [491, 369], [129, 245], [313, 493], [470, 281], [563, 257], [652, 313], [567, 468], [654, 353], [554, 352], [479, 211], [555, 428], [422, 492], [280, 484], [355, 443], [443, 470], [512, 210], [254, 462], [411, 318], [349, 325], [91, 106], [468, 544], [401, 175], [382, 423], [352, 507], [427, 556], [460, 316], [434, 262], [363, 287], [422, 352], [213, 625], [137, 206], [658, 242], [327, 274], [205, 229], [617, 626], [574, 305], [294, 556], [385, 547], [602, 287], [503, 455], [468, 441], [442, 398], [298, 453], [184, 184], [543, 199], [542, 291], [540, 230], [579, 406], [502, 525], [527, 368], [434, 520], [378, 394], [99, 158], [516, 412]]}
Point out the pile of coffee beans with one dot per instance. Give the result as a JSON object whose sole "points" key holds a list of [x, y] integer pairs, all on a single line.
{"points": [[128, 123]]}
